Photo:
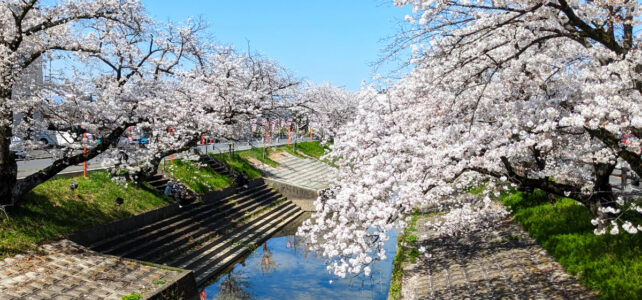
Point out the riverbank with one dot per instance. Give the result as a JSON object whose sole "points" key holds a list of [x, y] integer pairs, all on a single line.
{"points": [[53, 210], [543, 250], [609, 265], [505, 262]]}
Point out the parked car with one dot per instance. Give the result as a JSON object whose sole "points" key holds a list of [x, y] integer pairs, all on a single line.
{"points": [[140, 141], [17, 148], [53, 138]]}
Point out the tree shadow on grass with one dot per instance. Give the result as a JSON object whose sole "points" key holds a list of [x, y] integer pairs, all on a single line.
{"points": [[40, 220]]}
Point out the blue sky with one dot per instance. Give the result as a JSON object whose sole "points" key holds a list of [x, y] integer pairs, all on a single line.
{"points": [[322, 41]]}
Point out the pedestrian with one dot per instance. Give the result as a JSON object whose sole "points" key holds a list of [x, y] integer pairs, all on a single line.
{"points": [[168, 189], [177, 191], [122, 156], [246, 182], [241, 180]]}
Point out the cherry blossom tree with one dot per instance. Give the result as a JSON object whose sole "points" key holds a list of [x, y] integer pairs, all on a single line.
{"points": [[218, 98], [328, 107], [529, 94], [117, 61]]}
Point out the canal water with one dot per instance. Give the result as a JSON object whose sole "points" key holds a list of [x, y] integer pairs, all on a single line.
{"points": [[282, 268]]}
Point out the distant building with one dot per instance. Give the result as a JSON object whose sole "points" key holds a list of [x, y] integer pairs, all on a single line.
{"points": [[30, 82]]}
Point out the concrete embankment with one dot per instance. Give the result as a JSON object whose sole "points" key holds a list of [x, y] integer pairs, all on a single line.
{"points": [[66, 270], [204, 237], [298, 178]]}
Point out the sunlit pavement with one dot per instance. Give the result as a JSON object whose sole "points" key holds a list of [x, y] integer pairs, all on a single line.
{"points": [[504, 263]]}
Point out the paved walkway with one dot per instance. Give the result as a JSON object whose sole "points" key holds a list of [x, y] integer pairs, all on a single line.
{"points": [[66, 270], [304, 172], [502, 264], [28, 167]]}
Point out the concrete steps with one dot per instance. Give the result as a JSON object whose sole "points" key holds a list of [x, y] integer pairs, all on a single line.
{"points": [[224, 260], [217, 166], [158, 181], [199, 261], [303, 172], [206, 236], [212, 227]]}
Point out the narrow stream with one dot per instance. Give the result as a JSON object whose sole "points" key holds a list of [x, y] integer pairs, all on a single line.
{"points": [[281, 268]]}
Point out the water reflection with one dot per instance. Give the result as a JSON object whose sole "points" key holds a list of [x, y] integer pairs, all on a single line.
{"points": [[283, 268], [234, 285], [267, 263]]}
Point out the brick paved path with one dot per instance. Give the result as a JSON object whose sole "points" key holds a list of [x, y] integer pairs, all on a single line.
{"points": [[66, 270], [503, 264]]}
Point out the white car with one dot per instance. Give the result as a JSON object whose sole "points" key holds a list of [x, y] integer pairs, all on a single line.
{"points": [[17, 148], [54, 138]]}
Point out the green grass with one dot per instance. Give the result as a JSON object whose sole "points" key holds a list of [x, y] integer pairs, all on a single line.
{"points": [[200, 180], [159, 282], [239, 161], [610, 265], [313, 149], [257, 153], [52, 211], [133, 296], [290, 149], [406, 251]]}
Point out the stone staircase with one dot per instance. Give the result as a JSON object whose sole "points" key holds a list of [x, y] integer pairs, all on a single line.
{"points": [[206, 237], [218, 166], [158, 181], [304, 172]]}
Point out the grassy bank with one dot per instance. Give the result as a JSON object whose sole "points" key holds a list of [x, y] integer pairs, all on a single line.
{"points": [[239, 161], [260, 155], [312, 149], [200, 179], [52, 210], [290, 149], [406, 252], [610, 265]]}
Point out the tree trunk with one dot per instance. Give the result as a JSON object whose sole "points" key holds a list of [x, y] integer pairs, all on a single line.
{"points": [[21, 187], [602, 191], [152, 167], [8, 165], [612, 141]]}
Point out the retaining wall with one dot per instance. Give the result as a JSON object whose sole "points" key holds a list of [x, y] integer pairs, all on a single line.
{"points": [[301, 196]]}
